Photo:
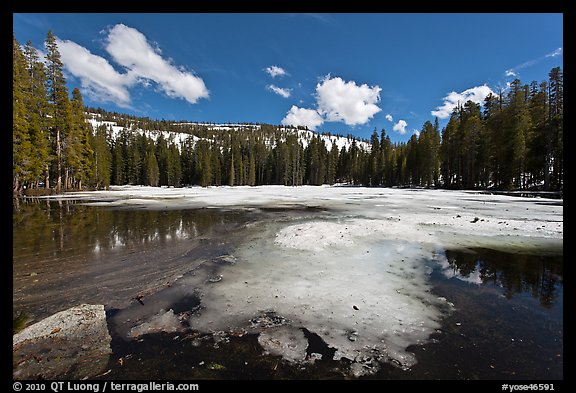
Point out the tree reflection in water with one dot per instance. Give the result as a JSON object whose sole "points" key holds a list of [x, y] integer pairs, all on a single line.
{"points": [[515, 273]]}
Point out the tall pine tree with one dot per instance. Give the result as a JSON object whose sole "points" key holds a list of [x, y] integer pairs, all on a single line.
{"points": [[59, 105]]}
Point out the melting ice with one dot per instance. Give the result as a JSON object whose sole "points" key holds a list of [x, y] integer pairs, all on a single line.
{"points": [[365, 296]]}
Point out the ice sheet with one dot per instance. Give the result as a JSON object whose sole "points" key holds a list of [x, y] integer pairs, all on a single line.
{"points": [[356, 277], [419, 215], [365, 296]]}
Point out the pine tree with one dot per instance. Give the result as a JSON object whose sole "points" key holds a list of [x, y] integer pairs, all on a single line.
{"points": [[332, 164], [174, 166], [535, 138], [151, 165], [187, 161], [470, 132], [162, 157], [232, 172], [251, 170], [37, 110], [59, 102], [493, 124], [216, 160], [413, 158], [81, 150], [555, 132], [519, 123], [448, 152], [21, 146], [385, 159], [118, 176], [375, 157], [102, 163], [204, 163], [435, 152], [135, 159]]}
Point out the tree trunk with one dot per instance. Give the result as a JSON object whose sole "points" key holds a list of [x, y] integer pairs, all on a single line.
{"points": [[58, 163], [47, 177]]}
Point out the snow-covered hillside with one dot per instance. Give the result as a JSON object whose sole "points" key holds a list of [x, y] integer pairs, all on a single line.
{"points": [[304, 136]]}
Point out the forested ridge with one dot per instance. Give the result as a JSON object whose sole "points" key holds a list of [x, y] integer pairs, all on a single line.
{"points": [[513, 141]]}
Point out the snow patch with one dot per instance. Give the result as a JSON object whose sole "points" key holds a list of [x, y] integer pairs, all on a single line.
{"points": [[367, 299]]}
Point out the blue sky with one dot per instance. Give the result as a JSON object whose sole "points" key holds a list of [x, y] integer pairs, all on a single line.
{"points": [[344, 73]]}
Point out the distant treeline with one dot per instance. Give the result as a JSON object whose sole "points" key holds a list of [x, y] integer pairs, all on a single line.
{"points": [[515, 141]]}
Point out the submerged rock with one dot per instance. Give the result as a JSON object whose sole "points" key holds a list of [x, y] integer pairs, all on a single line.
{"points": [[71, 344], [161, 322]]}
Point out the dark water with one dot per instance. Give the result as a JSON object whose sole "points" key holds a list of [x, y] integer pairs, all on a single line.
{"points": [[510, 326], [507, 322]]}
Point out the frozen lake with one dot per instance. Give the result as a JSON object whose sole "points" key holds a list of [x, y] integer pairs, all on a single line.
{"points": [[370, 282]]}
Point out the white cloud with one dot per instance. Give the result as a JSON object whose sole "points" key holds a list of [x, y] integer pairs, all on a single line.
{"points": [[514, 70], [389, 117], [557, 52], [143, 64], [475, 94], [400, 127], [97, 77], [345, 101], [280, 91], [416, 132], [336, 100], [130, 48], [275, 71], [303, 117]]}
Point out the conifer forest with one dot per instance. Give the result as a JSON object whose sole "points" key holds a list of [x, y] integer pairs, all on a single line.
{"points": [[514, 141]]}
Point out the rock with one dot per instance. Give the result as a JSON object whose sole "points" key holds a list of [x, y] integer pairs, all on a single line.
{"points": [[226, 259], [71, 344], [163, 321], [214, 279]]}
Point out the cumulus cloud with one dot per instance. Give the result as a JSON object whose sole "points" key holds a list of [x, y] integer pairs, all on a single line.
{"points": [[280, 91], [338, 101], [347, 102], [389, 117], [275, 71], [97, 77], [303, 117], [476, 94], [130, 48], [400, 127], [510, 73], [143, 63]]}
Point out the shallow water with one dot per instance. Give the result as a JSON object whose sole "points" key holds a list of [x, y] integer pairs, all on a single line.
{"points": [[506, 320]]}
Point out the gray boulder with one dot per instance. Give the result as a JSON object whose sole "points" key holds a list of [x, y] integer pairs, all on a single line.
{"points": [[71, 344]]}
